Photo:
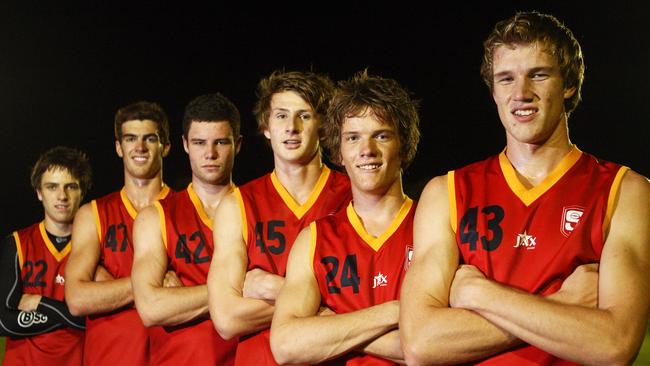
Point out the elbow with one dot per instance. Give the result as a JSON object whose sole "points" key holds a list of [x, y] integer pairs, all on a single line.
{"points": [[226, 325], [418, 351], [283, 351], [76, 306], [621, 351], [413, 354], [148, 319]]}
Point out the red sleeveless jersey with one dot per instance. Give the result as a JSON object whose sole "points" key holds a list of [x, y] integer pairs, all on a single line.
{"points": [[532, 239], [355, 270], [271, 221], [43, 273], [118, 337], [187, 234]]}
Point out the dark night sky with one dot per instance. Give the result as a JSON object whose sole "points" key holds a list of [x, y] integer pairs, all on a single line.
{"points": [[65, 71]]}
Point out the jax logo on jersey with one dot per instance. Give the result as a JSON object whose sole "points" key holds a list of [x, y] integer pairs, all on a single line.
{"points": [[570, 218], [28, 318], [524, 240], [380, 280], [59, 280]]}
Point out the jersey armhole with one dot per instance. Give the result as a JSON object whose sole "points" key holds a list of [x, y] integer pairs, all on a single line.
{"points": [[163, 223], [19, 249], [612, 199], [98, 224], [312, 246], [451, 190], [242, 213]]}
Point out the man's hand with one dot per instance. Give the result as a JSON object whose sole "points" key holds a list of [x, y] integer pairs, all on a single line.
{"points": [[460, 293], [172, 280], [102, 274], [581, 287], [29, 302], [262, 285]]}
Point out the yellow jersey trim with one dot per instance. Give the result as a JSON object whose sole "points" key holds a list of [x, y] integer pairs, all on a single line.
{"points": [[164, 191], [198, 206], [451, 189], [312, 244], [376, 243], [613, 199], [98, 224], [19, 250], [528, 196], [50, 246], [300, 210], [163, 223], [242, 212]]}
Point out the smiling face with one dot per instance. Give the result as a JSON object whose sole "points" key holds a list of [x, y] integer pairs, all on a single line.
{"points": [[60, 194], [370, 152], [211, 147], [292, 129], [141, 149], [529, 93]]}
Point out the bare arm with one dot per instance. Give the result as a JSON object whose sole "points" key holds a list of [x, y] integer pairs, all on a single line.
{"points": [[83, 295], [610, 334], [157, 304], [431, 331], [387, 346], [233, 314], [300, 335]]}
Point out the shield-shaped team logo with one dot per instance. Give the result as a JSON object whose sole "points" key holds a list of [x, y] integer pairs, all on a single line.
{"points": [[570, 218]]}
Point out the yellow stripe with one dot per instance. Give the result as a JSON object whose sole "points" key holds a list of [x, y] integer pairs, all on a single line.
{"points": [[164, 191], [127, 204], [50, 246], [300, 210], [612, 199], [376, 243], [198, 206], [19, 250], [98, 224], [242, 212], [312, 245], [163, 223], [451, 188], [528, 196]]}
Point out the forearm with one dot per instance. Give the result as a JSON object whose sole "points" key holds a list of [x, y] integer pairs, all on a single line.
{"points": [[433, 335], [234, 315], [87, 297], [59, 311], [580, 334], [315, 339], [386, 346], [173, 306]]}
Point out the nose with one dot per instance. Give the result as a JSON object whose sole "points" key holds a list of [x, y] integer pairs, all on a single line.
{"points": [[368, 147], [211, 152], [141, 144], [522, 89], [62, 194], [294, 124]]}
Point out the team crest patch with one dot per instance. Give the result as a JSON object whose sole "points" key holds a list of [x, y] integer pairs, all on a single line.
{"points": [[570, 218], [408, 257]]}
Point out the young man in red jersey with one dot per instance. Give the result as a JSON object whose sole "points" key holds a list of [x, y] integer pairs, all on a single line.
{"points": [[99, 282], [256, 225], [525, 223], [175, 234], [33, 313], [353, 262]]}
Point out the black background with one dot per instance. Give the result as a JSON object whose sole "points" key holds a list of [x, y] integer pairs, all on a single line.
{"points": [[65, 70]]}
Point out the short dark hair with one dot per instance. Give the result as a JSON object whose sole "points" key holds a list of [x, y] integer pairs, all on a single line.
{"points": [[534, 27], [62, 157], [211, 108], [384, 98], [315, 89], [143, 111]]}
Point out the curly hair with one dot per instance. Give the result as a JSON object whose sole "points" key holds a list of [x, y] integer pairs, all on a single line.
{"points": [[62, 157], [385, 99], [315, 89], [546, 30]]}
